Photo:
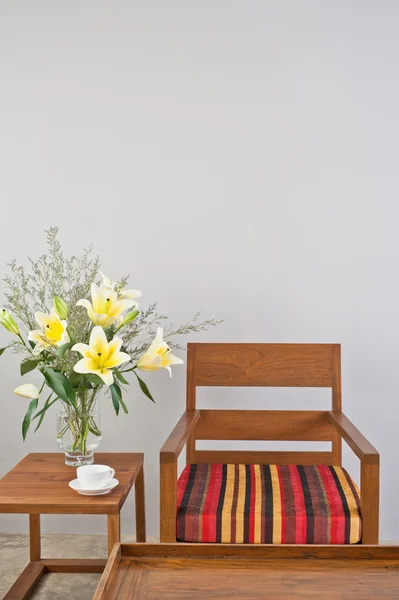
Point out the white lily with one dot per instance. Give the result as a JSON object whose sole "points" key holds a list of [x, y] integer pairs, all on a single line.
{"points": [[129, 295], [105, 306], [158, 356], [52, 332], [109, 283], [27, 390], [122, 294], [100, 356]]}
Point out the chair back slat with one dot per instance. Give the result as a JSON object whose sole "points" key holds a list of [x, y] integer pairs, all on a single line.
{"points": [[239, 457], [276, 365], [255, 425], [264, 365]]}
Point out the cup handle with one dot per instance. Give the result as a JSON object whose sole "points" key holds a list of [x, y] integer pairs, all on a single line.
{"points": [[111, 473]]}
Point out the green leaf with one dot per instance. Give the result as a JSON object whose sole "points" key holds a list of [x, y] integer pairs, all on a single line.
{"points": [[68, 388], [116, 396], [3, 350], [62, 349], [43, 411], [28, 365], [124, 407], [95, 379], [45, 407], [109, 333], [60, 385], [75, 379], [28, 416], [120, 376], [144, 388], [31, 344]]}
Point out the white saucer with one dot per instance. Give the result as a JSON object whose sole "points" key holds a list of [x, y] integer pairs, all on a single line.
{"points": [[76, 485]]}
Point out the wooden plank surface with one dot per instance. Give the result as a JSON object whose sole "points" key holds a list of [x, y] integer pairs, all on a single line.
{"points": [[278, 365], [337, 574], [288, 425], [109, 573], [39, 484], [262, 551], [277, 457]]}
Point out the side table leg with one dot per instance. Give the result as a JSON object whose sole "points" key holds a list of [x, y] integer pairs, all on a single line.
{"points": [[140, 506], [114, 531], [34, 531]]}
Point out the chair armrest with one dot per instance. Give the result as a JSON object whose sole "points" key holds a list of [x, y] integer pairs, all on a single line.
{"points": [[168, 473], [179, 436], [355, 440]]}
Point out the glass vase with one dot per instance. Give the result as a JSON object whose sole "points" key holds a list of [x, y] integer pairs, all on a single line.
{"points": [[78, 428]]}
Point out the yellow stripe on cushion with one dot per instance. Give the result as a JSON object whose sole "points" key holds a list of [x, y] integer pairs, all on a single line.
{"points": [[258, 506], [240, 505], [277, 520], [227, 505], [352, 506]]}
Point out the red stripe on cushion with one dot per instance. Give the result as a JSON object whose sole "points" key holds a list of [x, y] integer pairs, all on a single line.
{"points": [[300, 532], [252, 506]]}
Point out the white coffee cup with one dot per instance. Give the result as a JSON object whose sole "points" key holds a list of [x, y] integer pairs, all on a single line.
{"points": [[94, 477]]}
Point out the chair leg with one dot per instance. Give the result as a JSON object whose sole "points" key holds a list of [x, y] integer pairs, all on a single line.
{"points": [[168, 499], [370, 501]]}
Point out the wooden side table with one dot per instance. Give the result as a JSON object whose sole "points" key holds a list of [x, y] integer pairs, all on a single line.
{"points": [[39, 485]]}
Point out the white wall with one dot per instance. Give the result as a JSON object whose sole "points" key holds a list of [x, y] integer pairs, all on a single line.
{"points": [[239, 157]]}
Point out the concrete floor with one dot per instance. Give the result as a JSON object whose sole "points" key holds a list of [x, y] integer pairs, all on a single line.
{"points": [[14, 555]]}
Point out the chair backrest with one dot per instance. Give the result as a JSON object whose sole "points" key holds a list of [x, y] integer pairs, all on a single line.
{"points": [[264, 365]]}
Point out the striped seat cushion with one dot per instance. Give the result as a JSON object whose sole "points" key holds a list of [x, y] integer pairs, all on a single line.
{"points": [[268, 504]]}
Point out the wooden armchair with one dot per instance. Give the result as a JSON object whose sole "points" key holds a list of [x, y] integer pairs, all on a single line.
{"points": [[276, 365]]}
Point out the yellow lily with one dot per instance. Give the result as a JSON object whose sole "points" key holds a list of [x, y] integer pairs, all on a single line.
{"points": [[105, 306], [52, 332], [122, 294], [158, 356], [100, 356]]}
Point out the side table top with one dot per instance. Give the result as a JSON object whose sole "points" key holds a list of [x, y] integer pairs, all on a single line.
{"points": [[39, 484]]}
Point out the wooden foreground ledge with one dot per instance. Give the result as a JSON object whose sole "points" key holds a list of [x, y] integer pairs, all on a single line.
{"points": [[251, 572]]}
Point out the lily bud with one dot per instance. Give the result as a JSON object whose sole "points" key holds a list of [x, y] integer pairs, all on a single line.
{"points": [[8, 322], [130, 316], [60, 307], [27, 390]]}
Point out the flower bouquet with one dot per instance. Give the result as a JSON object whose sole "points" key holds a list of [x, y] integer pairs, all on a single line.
{"points": [[83, 333]]}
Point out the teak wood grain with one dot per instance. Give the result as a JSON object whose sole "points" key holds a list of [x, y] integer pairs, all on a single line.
{"points": [[293, 365], [276, 365], [39, 485], [289, 425], [245, 457], [352, 436], [219, 571]]}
